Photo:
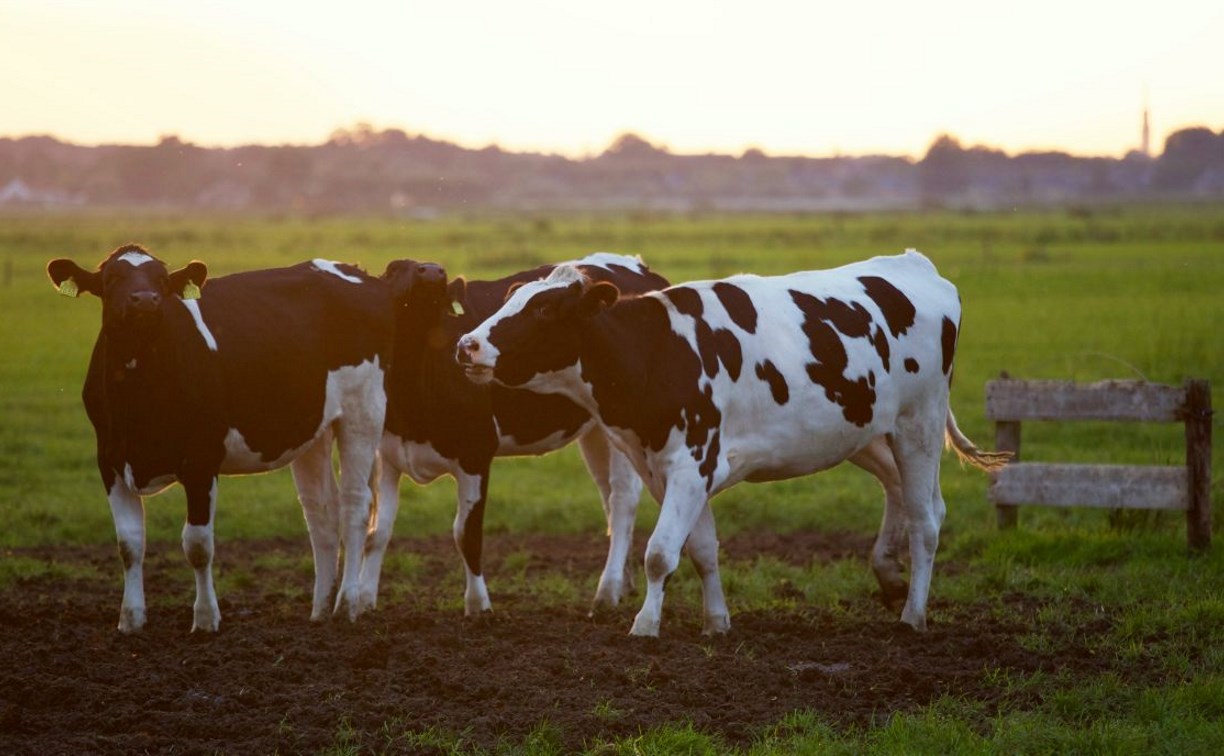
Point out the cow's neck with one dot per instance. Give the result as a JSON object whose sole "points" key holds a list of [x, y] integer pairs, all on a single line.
{"points": [[422, 344], [424, 381], [636, 366]]}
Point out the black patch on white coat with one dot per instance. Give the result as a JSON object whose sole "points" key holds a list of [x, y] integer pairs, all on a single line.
{"points": [[778, 388], [856, 397]]}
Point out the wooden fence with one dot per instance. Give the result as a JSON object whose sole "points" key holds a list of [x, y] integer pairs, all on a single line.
{"points": [[1010, 402]]}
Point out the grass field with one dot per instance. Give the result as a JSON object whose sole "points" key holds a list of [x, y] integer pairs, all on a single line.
{"points": [[1084, 295]]}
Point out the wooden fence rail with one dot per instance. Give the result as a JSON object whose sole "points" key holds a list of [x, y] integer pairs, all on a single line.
{"points": [[1010, 402]]}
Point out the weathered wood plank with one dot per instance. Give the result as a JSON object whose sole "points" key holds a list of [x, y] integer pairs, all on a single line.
{"points": [[1198, 464], [1109, 486], [1065, 400]]}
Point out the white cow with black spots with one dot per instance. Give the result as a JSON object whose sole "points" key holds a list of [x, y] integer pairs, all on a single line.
{"points": [[704, 385]]}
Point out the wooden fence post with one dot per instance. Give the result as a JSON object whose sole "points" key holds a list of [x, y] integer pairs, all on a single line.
{"points": [[1198, 464], [1007, 438]]}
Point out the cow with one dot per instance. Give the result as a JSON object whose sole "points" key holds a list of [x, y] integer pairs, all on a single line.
{"points": [[265, 369], [439, 423], [707, 384]]}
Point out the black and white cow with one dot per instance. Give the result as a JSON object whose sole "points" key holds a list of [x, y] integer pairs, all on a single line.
{"points": [[265, 369], [439, 423], [708, 384]]}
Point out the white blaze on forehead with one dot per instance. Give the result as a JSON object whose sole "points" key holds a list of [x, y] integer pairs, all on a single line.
{"points": [[193, 307], [327, 266], [135, 259], [607, 259], [567, 273]]}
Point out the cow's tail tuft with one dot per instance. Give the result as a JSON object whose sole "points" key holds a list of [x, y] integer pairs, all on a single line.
{"points": [[375, 476], [969, 452]]}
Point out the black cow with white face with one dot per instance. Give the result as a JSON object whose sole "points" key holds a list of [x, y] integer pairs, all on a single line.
{"points": [[262, 369], [439, 423], [708, 384]]}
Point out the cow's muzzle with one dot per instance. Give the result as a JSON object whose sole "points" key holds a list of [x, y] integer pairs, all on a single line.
{"points": [[468, 355]]}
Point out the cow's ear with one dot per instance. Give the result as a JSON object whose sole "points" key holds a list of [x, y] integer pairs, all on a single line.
{"points": [[186, 281], [71, 279], [598, 296], [513, 288], [456, 292]]}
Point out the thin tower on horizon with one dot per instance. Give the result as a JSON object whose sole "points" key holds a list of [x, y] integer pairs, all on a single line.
{"points": [[1145, 144]]}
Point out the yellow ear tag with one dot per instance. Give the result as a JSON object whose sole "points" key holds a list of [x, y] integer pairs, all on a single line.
{"points": [[456, 307], [191, 291], [68, 288]]}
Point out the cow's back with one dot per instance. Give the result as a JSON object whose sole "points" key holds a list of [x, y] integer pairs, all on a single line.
{"points": [[282, 336], [807, 368]]}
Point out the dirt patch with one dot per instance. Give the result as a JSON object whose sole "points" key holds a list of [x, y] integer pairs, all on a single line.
{"points": [[272, 681]]}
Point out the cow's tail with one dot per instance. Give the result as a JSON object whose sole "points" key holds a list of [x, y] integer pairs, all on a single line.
{"points": [[968, 451], [375, 476]]}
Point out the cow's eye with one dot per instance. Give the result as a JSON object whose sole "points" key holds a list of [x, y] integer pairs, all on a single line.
{"points": [[543, 311]]}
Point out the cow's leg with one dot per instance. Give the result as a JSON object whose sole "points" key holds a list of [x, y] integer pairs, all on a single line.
{"points": [[198, 548], [358, 433], [469, 538], [320, 499], [379, 535], [620, 488], [877, 459], [917, 444], [127, 511], [682, 505], [703, 550]]}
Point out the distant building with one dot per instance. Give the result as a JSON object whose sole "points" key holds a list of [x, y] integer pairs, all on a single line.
{"points": [[18, 192]]}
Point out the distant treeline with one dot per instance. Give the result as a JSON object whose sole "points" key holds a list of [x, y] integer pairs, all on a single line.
{"points": [[366, 170]]}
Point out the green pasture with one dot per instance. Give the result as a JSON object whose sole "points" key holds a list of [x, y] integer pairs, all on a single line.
{"points": [[1085, 295]]}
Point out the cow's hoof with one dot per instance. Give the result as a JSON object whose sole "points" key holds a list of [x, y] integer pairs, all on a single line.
{"points": [[893, 597], [477, 608], [607, 596], [131, 621], [366, 602], [644, 628], [346, 607], [206, 625], [716, 624]]}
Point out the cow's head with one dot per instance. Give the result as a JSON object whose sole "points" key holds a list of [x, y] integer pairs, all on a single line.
{"points": [[537, 331], [420, 286], [133, 285]]}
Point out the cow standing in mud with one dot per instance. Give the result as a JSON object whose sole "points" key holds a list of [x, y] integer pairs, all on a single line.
{"points": [[439, 423], [707, 384], [265, 369]]}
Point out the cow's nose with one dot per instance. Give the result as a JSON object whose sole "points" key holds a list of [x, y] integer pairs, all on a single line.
{"points": [[467, 347], [431, 273], [145, 301]]}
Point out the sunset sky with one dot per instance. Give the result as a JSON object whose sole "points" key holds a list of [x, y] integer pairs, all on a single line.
{"points": [[811, 78]]}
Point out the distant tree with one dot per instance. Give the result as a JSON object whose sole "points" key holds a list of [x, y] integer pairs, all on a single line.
{"points": [[167, 173], [944, 171], [1187, 155], [630, 145]]}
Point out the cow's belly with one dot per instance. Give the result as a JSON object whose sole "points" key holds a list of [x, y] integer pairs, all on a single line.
{"points": [[348, 387], [779, 445], [508, 446], [419, 461], [240, 459]]}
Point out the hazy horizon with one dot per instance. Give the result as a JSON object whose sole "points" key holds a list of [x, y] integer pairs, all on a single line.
{"points": [[564, 78]]}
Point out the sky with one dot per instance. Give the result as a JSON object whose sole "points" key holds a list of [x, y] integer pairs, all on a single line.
{"points": [[808, 77]]}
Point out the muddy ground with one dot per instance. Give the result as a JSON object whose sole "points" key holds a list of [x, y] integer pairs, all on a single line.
{"points": [[271, 681]]}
